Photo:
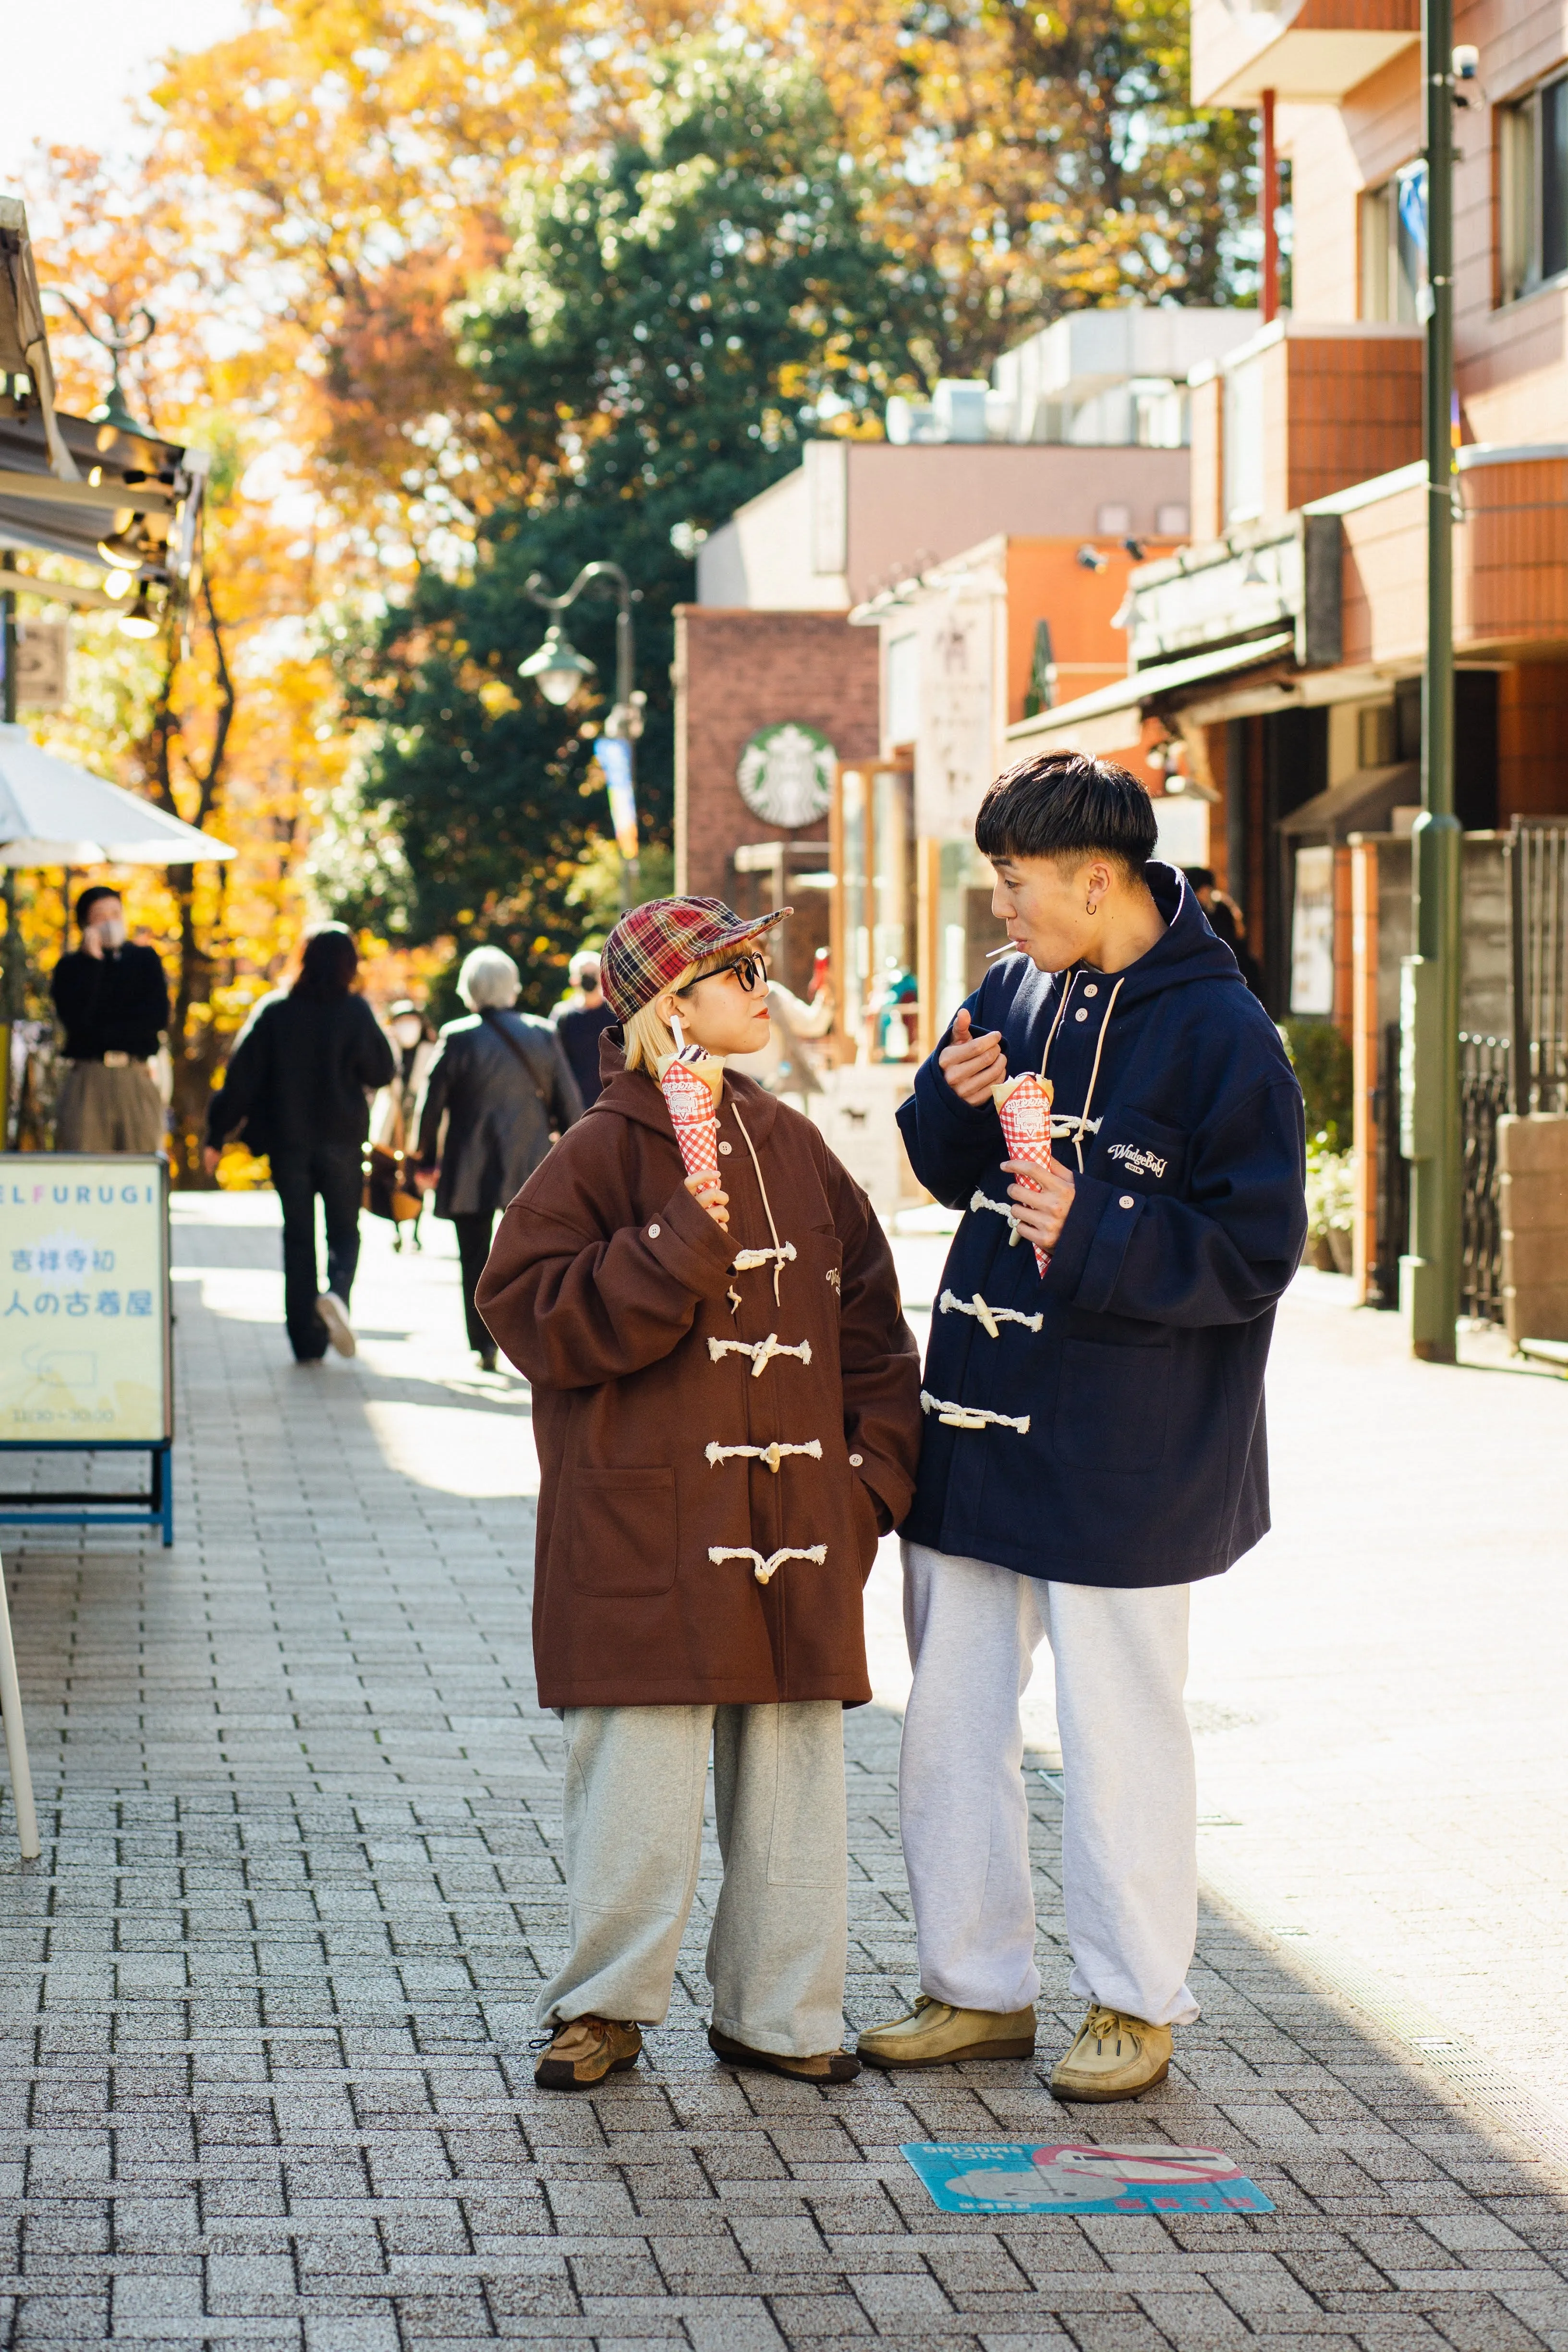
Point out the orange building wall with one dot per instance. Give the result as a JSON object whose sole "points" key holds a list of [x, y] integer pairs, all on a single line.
{"points": [[1046, 582], [1353, 409]]}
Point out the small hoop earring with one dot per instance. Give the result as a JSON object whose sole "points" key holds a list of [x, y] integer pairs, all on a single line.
{"points": [[1090, 906]]}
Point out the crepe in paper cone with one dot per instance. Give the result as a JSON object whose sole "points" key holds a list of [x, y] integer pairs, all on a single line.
{"points": [[692, 1089], [1024, 1108]]}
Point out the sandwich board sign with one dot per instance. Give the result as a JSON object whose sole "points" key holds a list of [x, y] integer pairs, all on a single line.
{"points": [[85, 1325]]}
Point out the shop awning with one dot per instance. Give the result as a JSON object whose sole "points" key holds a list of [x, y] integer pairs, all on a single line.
{"points": [[1133, 693], [1363, 803], [53, 812]]}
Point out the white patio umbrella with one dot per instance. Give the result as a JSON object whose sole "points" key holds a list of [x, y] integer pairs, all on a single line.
{"points": [[53, 812]]}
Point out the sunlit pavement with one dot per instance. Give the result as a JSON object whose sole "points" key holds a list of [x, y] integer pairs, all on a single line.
{"points": [[266, 2006]]}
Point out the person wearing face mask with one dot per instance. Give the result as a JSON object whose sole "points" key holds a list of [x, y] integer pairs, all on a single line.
{"points": [[413, 1051], [112, 1000]]}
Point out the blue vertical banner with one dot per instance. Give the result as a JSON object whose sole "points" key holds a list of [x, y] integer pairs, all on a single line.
{"points": [[614, 754]]}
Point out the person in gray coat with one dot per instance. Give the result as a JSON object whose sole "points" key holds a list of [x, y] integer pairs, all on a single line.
{"points": [[502, 1085]]}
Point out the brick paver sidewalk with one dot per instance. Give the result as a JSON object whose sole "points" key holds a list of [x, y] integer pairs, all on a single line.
{"points": [[265, 1998]]}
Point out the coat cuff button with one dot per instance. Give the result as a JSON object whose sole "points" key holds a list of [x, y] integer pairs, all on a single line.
{"points": [[857, 1461], [1126, 1202], [653, 1231]]}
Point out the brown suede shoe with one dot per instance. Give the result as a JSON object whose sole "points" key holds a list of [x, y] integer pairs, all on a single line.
{"points": [[827, 2066], [584, 2050]]}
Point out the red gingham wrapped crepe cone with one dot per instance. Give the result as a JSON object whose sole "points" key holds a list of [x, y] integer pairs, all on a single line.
{"points": [[1024, 1108], [692, 1096]]}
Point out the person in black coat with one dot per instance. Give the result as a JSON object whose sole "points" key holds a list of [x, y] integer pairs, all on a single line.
{"points": [[501, 1083], [298, 1088], [113, 1003]]}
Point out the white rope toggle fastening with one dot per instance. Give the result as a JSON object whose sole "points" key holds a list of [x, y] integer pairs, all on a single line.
{"points": [[984, 1313], [772, 1455], [761, 1351], [979, 1200], [972, 1416], [747, 1261], [762, 1568]]}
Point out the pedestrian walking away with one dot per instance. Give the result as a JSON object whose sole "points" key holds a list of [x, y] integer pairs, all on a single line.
{"points": [[726, 1409], [1094, 1433], [298, 1089], [582, 1021], [496, 1094], [113, 1002]]}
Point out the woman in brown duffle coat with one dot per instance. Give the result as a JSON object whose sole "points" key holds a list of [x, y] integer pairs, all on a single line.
{"points": [[727, 1418]]}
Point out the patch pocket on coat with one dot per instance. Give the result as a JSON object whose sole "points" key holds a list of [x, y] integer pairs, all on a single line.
{"points": [[622, 1533], [1112, 1405], [1142, 1153]]}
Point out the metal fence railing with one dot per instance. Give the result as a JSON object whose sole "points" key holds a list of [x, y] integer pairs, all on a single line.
{"points": [[1538, 925], [1485, 1093]]}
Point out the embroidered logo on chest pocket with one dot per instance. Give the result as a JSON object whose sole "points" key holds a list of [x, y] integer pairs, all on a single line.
{"points": [[1137, 1161]]}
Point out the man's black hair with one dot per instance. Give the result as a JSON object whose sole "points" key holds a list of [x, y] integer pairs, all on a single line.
{"points": [[1065, 804], [329, 963], [89, 900]]}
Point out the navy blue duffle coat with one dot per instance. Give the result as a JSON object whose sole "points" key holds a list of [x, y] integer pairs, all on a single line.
{"points": [[1137, 1360]]}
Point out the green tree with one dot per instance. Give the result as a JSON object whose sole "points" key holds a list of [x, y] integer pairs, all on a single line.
{"points": [[679, 309]]}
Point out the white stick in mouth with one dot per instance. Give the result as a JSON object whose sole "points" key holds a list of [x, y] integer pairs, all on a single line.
{"points": [[761, 1351], [772, 1455], [763, 1567], [984, 1313], [972, 1416]]}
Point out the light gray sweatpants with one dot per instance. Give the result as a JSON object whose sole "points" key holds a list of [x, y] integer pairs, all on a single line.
{"points": [[636, 1777], [1129, 1866]]}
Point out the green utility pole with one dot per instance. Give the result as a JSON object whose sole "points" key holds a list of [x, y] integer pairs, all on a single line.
{"points": [[1429, 1105]]}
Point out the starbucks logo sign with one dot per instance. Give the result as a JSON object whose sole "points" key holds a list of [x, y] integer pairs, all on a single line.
{"points": [[785, 775]]}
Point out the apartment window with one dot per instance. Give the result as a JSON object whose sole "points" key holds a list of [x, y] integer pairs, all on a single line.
{"points": [[1393, 246], [1533, 183]]}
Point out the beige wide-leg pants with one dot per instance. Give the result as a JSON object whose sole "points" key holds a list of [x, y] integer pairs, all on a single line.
{"points": [[636, 1777], [105, 1110]]}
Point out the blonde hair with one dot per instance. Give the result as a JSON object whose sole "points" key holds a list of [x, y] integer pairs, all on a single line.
{"points": [[647, 1038]]}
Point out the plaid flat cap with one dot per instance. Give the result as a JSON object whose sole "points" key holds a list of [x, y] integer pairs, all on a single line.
{"points": [[652, 945]]}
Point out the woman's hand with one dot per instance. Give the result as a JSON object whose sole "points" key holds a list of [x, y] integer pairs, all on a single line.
{"points": [[973, 1066], [426, 1179], [1039, 1216], [707, 1194], [210, 1158]]}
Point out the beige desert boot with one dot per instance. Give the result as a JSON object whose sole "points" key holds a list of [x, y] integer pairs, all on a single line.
{"points": [[584, 2050], [1114, 2057], [934, 2033]]}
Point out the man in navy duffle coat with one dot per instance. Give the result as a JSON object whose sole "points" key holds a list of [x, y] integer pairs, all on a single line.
{"points": [[1094, 1434]]}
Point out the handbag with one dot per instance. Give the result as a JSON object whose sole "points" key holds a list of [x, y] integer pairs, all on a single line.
{"points": [[390, 1190]]}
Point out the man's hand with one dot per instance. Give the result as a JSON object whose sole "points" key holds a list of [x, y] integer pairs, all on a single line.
{"points": [[92, 942], [210, 1158], [973, 1066], [426, 1179], [707, 1194], [1039, 1216]]}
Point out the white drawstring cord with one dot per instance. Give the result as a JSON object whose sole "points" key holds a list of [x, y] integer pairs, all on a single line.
{"points": [[1076, 1126], [767, 1204]]}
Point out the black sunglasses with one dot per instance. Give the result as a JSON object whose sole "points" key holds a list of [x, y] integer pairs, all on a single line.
{"points": [[749, 970]]}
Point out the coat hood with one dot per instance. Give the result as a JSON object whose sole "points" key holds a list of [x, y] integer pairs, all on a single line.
{"points": [[636, 1094], [1188, 950]]}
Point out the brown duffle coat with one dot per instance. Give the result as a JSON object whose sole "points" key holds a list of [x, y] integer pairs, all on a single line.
{"points": [[620, 1299]]}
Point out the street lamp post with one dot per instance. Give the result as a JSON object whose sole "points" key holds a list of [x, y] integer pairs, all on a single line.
{"points": [[1429, 1114], [561, 672]]}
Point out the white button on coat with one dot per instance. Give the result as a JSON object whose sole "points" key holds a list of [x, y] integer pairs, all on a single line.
{"points": [[724, 1147], [653, 1232], [1081, 1015], [857, 1461], [1126, 1202], [1091, 990]]}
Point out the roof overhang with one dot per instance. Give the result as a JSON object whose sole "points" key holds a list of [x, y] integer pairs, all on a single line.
{"points": [[1111, 719], [1308, 67]]}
